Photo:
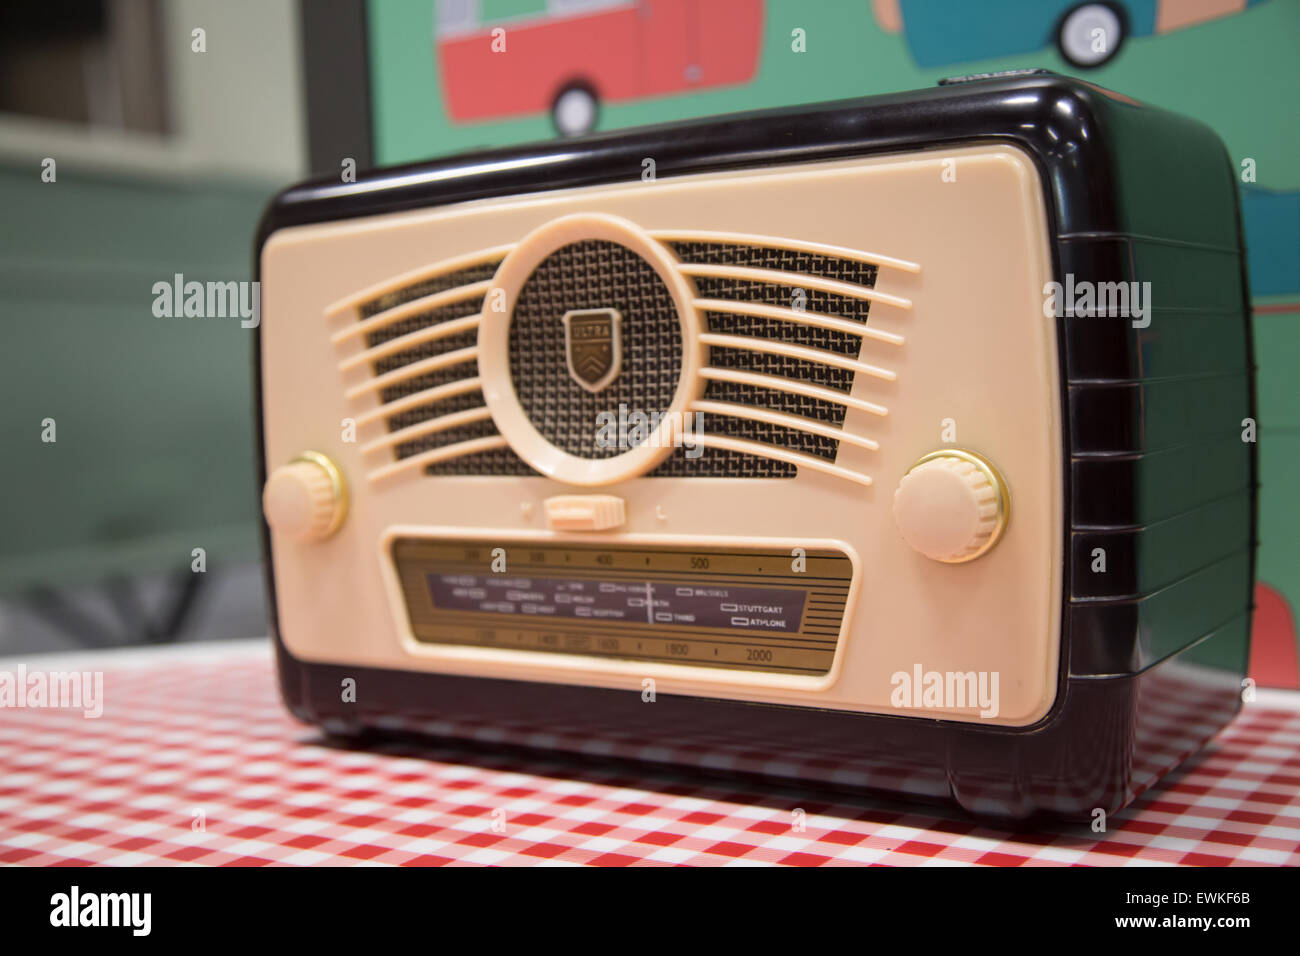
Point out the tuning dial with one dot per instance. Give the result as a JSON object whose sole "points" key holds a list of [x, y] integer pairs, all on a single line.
{"points": [[305, 499], [951, 506]]}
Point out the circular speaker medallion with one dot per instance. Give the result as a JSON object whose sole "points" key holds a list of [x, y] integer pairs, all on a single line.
{"points": [[588, 349]]}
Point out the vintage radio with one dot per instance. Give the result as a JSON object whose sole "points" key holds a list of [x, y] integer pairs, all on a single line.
{"points": [[899, 444]]}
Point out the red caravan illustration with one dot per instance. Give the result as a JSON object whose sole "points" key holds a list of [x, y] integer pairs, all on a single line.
{"points": [[576, 54], [1273, 654]]}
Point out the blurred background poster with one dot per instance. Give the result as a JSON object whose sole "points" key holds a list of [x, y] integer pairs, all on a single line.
{"points": [[139, 140]]}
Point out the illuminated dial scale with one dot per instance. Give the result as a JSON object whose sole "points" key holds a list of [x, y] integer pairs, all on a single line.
{"points": [[756, 609]]}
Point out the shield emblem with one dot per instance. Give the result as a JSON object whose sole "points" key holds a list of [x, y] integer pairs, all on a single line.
{"points": [[593, 347]]}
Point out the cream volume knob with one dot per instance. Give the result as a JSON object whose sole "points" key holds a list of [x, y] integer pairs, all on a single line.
{"points": [[305, 499], [951, 506]]}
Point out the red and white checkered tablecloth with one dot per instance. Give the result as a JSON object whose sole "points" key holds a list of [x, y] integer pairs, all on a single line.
{"points": [[194, 760]]}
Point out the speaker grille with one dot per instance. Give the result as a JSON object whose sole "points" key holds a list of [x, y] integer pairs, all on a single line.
{"points": [[419, 290], [778, 258], [722, 463], [446, 401], [593, 275], [783, 321]]}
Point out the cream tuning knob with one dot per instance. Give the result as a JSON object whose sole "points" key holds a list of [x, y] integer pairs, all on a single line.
{"points": [[951, 506], [305, 499]]}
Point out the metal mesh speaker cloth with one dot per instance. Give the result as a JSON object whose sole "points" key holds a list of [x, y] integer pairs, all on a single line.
{"points": [[499, 461], [721, 463], [593, 274]]}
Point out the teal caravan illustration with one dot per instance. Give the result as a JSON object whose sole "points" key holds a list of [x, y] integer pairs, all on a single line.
{"points": [[942, 32], [1272, 221]]}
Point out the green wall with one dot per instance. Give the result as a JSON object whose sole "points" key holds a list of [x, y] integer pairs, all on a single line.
{"points": [[154, 450]]}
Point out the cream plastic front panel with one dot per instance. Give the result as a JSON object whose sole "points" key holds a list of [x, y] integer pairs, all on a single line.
{"points": [[973, 363]]}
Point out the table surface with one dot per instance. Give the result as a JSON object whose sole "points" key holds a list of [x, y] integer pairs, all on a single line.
{"points": [[195, 761]]}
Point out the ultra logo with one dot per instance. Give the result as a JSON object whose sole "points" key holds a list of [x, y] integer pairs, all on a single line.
{"points": [[593, 346]]}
